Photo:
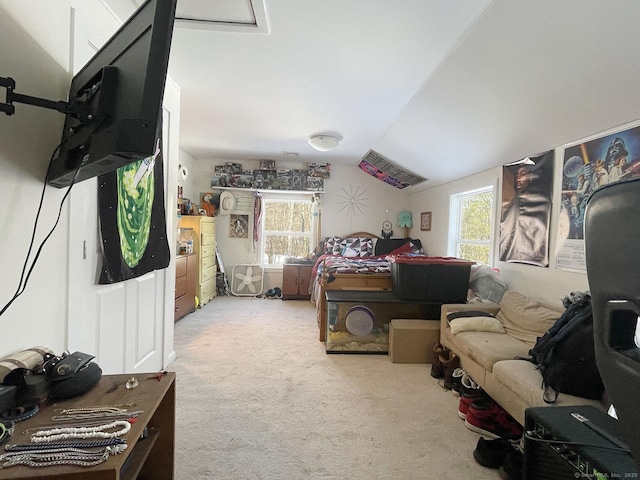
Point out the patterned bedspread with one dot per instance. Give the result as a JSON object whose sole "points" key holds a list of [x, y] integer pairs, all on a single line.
{"points": [[337, 264]]}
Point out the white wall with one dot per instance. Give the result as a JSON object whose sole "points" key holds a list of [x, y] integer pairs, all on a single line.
{"points": [[36, 38], [547, 284], [27, 140]]}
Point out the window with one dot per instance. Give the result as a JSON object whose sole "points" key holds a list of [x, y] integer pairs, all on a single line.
{"points": [[287, 230], [470, 225]]}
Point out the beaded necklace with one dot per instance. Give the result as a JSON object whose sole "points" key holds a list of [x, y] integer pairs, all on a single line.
{"points": [[20, 447], [78, 423], [60, 456], [56, 434], [90, 415]]}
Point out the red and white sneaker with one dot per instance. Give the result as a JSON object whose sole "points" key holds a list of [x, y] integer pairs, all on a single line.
{"points": [[467, 398], [491, 420]]}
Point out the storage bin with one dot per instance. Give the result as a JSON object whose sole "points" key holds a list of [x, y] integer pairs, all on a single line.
{"points": [[430, 279]]}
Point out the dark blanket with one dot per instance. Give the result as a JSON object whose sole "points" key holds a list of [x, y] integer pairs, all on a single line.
{"points": [[385, 246]]}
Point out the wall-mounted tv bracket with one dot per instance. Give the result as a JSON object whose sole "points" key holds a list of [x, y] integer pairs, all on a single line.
{"points": [[9, 84], [80, 108]]}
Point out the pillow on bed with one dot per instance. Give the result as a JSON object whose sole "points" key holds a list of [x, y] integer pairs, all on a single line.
{"points": [[356, 247], [332, 245], [476, 324]]}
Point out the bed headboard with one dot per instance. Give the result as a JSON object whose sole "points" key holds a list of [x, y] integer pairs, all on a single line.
{"points": [[362, 235]]}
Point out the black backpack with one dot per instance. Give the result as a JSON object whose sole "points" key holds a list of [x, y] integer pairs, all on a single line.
{"points": [[565, 354]]}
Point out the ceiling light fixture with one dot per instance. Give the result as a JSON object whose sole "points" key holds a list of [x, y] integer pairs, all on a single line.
{"points": [[323, 143]]}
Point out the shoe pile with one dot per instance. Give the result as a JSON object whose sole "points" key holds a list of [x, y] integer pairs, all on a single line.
{"points": [[274, 293], [499, 454], [486, 417], [463, 383], [445, 362], [467, 398], [437, 371], [482, 415]]}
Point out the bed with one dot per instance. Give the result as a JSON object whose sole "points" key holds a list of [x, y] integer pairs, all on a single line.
{"points": [[354, 262]]}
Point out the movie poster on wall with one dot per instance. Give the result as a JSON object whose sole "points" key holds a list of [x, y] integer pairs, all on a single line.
{"points": [[527, 187], [587, 167]]}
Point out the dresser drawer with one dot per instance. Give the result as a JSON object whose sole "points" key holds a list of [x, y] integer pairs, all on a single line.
{"points": [[181, 266], [208, 228], [208, 262], [208, 250], [207, 291], [185, 304], [181, 286], [209, 239], [208, 274]]}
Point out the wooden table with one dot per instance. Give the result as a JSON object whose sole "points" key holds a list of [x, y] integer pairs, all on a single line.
{"points": [[145, 458]]}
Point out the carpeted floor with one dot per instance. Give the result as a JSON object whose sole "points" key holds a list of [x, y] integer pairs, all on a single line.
{"points": [[258, 398]]}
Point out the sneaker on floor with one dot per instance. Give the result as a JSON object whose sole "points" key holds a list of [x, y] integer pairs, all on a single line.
{"points": [[467, 385], [492, 453], [456, 381], [493, 421], [466, 399], [511, 469]]}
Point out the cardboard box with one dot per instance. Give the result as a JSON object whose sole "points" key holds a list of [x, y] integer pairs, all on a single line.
{"points": [[412, 341]]}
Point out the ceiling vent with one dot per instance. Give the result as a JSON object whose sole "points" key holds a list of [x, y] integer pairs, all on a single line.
{"points": [[231, 15], [384, 169]]}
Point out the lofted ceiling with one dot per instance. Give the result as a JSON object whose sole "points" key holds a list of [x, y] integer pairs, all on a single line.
{"points": [[444, 89]]}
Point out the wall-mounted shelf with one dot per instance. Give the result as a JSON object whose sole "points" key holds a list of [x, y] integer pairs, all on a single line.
{"points": [[259, 190]]}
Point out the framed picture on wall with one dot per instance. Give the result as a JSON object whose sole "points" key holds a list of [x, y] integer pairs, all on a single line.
{"points": [[425, 221]]}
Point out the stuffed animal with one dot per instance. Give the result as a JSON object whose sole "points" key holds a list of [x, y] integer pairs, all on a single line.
{"points": [[404, 219]]}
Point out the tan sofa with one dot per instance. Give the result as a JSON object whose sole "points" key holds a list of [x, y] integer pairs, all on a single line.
{"points": [[489, 357]]}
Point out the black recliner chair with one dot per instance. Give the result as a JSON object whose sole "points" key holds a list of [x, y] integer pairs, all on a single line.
{"points": [[612, 242]]}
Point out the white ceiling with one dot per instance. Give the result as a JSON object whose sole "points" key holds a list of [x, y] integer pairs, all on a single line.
{"points": [[445, 89]]}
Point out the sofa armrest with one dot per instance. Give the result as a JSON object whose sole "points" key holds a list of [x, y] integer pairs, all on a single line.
{"points": [[447, 308]]}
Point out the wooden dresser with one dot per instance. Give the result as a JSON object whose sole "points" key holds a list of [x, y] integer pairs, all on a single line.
{"points": [[186, 285], [204, 246], [295, 281]]}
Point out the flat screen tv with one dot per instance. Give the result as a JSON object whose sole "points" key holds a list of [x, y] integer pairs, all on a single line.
{"points": [[115, 101]]}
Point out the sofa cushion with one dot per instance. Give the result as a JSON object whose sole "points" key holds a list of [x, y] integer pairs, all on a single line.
{"points": [[488, 348], [525, 380], [522, 377], [476, 324], [524, 318]]}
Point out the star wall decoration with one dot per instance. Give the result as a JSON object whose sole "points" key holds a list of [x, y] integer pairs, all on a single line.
{"points": [[354, 201]]}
